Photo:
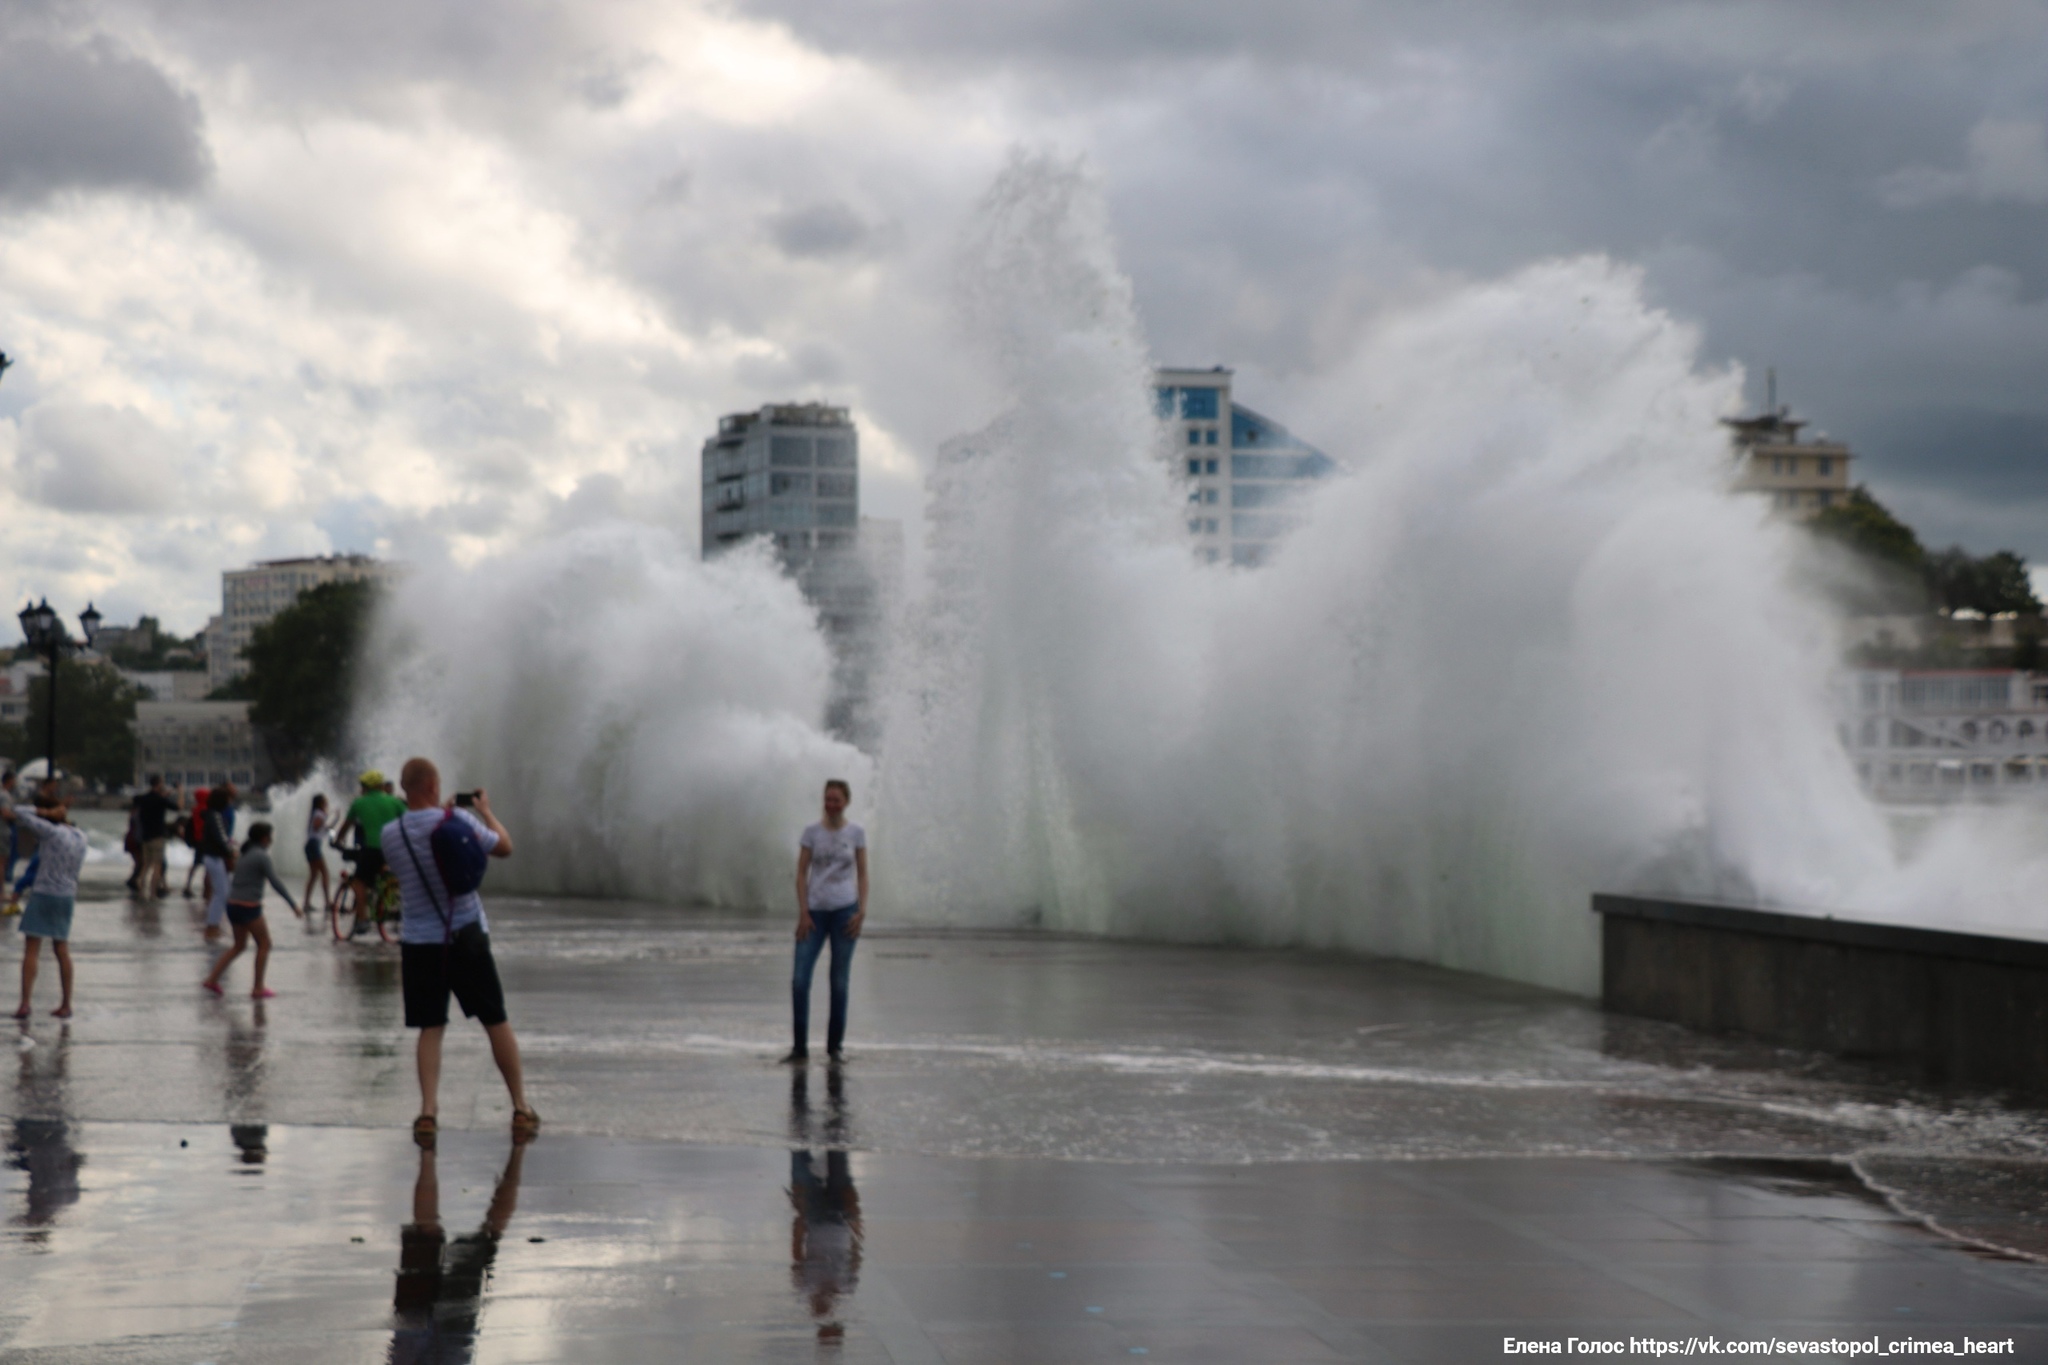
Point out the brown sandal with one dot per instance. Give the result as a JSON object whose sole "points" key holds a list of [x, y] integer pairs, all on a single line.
{"points": [[425, 1129], [525, 1120]]}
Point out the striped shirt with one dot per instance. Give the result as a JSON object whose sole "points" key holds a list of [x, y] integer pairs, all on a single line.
{"points": [[63, 852], [408, 852]]}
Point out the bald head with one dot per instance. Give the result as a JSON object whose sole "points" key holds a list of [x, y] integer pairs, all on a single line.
{"points": [[422, 783]]}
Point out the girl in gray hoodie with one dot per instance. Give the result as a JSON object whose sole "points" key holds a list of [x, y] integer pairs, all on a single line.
{"points": [[245, 909]]}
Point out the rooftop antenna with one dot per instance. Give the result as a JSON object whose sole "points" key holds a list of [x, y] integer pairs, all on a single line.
{"points": [[1771, 391]]}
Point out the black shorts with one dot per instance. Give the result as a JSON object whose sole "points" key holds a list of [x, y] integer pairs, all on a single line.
{"points": [[369, 865], [431, 971], [242, 914]]}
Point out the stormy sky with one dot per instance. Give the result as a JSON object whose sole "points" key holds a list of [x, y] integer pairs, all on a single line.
{"points": [[430, 277]]}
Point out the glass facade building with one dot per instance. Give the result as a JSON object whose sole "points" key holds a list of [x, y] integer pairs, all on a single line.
{"points": [[1244, 472], [790, 471]]}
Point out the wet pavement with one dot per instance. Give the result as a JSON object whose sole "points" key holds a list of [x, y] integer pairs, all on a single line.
{"points": [[1041, 1149]]}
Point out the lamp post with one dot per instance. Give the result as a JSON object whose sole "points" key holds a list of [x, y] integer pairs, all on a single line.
{"points": [[44, 631]]}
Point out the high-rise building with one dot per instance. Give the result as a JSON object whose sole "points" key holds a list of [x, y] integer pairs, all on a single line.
{"points": [[250, 597], [791, 472], [1244, 472]]}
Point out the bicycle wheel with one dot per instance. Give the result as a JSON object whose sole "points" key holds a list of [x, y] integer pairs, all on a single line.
{"points": [[342, 918], [387, 908]]}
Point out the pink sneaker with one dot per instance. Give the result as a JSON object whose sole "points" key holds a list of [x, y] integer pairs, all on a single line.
{"points": [[265, 994], [213, 986]]}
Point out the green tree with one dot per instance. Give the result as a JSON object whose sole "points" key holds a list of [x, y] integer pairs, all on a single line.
{"points": [[302, 674], [95, 721], [1895, 564], [1867, 526], [1958, 581]]}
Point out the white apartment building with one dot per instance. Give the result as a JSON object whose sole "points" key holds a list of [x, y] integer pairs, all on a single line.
{"points": [[1244, 472], [1945, 734], [14, 685], [250, 597]]}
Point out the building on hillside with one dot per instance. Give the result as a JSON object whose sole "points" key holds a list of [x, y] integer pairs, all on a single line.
{"points": [[166, 684], [1944, 734], [139, 638], [1801, 478], [199, 743], [790, 473], [1245, 473], [250, 597]]}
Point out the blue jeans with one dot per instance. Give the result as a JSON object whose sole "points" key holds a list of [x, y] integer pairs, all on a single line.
{"points": [[825, 924]]}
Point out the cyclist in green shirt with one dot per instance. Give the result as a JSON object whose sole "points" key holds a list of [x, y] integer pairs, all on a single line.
{"points": [[368, 813]]}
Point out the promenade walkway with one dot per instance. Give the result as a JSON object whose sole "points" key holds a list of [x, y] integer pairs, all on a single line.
{"points": [[1041, 1150]]}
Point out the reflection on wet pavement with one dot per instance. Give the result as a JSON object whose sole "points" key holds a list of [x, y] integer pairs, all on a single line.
{"points": [[1038, 1150], [441, 1283], [824, 1241]]}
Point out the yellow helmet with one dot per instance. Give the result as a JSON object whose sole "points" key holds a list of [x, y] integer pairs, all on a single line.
{"points": [[372, 778]]}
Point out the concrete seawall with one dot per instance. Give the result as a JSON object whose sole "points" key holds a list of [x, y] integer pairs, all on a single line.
{"points": [[1963, 1009]]}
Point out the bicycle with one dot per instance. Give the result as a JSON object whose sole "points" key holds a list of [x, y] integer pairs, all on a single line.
{"points": [[382, 911]]}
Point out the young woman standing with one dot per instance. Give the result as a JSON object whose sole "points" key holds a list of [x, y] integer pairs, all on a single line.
{"points": [[316, 854], [831, 903]]}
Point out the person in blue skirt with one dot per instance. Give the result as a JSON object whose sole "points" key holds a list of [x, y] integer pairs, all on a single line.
{"points": [[60, 851]]}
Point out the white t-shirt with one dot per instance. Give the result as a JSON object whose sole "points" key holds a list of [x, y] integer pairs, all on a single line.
{"points": [[834, 881], [421, 905]]}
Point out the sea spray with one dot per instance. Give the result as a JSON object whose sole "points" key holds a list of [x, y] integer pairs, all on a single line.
{"points": [[1526, 646], [646, 724]]}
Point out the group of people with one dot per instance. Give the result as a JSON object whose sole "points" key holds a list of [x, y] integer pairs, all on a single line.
{"points": [[444, 933]]}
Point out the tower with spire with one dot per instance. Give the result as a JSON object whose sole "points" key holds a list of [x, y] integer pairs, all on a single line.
{"points": [[1801, 477]]}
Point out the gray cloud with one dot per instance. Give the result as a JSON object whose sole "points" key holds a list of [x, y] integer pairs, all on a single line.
{"points": [[821, 231], [93, 115], [1852, 190], [87, 457]]}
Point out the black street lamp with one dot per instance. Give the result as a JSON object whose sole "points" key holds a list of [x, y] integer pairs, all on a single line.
{"points": [[44, 631]]}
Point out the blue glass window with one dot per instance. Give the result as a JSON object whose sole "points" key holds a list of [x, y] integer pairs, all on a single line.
{"points": [[1194, 437], [1310, 466], [1162, 403], [789, 450], [1261, 494], [1260, 526], [1208, 466], [1209, 439], [1198, 405], [1194, 468]]}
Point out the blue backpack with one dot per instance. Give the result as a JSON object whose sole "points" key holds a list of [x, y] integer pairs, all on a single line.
{"points": [[459, 855]]}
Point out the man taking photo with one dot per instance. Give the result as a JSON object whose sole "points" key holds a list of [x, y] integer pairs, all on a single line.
{"points": [[445, 940]]}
